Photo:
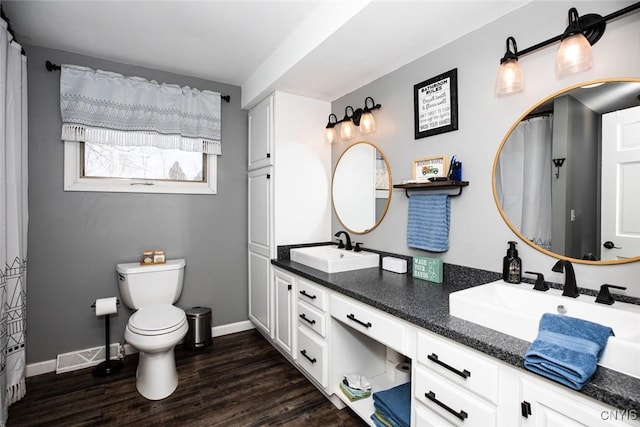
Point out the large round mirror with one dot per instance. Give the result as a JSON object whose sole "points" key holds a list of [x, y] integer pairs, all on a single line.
{"points": [[361, 188], [566, 178]]}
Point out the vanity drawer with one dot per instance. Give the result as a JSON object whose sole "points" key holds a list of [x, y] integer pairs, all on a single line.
{"points": [[312, 318], [459, 365], [312, 355], [451, 402], [312, 294], [370, 321]]}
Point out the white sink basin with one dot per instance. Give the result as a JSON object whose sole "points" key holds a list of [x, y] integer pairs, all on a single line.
{"points": [[330, 259], [516, 310]]}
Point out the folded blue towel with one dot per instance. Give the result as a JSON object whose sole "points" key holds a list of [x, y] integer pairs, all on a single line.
{"points": [[394, 404], [567, 349], [428, 222]]}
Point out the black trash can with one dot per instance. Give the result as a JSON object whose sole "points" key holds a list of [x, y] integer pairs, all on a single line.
{"points": [[199, 333]]}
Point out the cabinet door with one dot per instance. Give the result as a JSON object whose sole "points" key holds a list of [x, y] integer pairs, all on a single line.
{"points": [[260, 212], [261, 134], [284, 284], [550, 406], [259, 291]]}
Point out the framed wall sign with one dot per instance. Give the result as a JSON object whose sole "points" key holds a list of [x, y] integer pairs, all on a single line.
{"points": [[430, 167], [435, 104]]}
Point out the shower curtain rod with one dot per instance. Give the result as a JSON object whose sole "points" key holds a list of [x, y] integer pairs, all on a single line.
{"points": [[53, 67], [10, 30]]}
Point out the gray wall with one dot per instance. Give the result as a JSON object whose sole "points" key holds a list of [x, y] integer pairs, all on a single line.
{"points": [[77, 238], [478, 236]]}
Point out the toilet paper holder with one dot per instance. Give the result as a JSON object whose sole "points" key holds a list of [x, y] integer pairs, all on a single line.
{"points": [[94, 304], [108, 367]]}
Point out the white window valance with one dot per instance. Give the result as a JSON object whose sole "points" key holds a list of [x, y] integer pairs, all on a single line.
{"points": [[108, 108]]}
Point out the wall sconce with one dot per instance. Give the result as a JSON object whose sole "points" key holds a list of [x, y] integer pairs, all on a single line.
{"points": [[362, 117], [574, 54]]}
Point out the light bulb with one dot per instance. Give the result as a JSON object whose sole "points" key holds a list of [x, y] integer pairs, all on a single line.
{"points": [[347, 130], [509, 78], [574, 55], [330, 135], [367, 123]]}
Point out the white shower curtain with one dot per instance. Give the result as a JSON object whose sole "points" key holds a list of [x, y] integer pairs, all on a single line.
{"points": [[13, 220], [523, 179]]}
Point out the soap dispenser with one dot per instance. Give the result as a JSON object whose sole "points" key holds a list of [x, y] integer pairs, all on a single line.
{"points": [[512, 265]]}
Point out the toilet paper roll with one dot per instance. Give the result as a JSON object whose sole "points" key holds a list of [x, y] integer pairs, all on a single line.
{"points": [[403, 373], [106, 306]]}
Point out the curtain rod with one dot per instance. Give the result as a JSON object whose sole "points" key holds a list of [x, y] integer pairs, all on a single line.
{"points": [[53, 67], [9, 29]]}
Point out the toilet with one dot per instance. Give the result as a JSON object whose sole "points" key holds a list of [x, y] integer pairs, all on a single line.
{"points": [[156, 326]]}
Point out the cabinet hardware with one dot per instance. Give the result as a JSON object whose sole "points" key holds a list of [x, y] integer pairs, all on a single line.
{"points": [[306, 319], [268, 155], [288, 287], [462, 415], [304, 353], [525, 408], [353, 317], [268, 176], [434, 358], [307, 295]]}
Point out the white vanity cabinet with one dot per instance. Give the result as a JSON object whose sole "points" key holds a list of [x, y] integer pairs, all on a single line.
{"points": [[461, 387], [330, 335], [312, 319], [287, 157], [547, 405], [284, 308]]}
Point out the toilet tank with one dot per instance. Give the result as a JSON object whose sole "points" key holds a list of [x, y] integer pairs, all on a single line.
{"points": [[143, 285]]}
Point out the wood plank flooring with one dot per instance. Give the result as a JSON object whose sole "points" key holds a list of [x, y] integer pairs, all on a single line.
{"points": [[241, 380]]}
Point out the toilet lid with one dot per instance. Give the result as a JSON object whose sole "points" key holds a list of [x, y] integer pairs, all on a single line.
{"points": [[157, 319]]}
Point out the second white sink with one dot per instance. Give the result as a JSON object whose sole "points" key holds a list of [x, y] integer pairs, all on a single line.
{"points": [[516, 310], [333, 260]]}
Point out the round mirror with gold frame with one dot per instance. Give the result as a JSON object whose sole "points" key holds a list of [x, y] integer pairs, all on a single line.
{"points": [[566, 177], [361, 187]]}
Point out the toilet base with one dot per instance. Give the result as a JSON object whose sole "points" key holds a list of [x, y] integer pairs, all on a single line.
{"points": [[157, 376]]}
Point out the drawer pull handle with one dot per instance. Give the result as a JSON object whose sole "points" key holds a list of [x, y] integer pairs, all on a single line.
{"points": [[432, 397], [434, 358], [307, 295], [310, 359], [306, 319], [360, 322]]}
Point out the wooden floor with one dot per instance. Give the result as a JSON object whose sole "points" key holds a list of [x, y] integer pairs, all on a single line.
{"points": [[239, 381]]}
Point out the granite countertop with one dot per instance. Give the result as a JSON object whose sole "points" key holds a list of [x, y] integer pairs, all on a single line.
{"points": [[426, 304]]}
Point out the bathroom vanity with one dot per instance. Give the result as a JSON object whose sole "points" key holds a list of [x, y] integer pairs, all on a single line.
{"points": [[359, 321]]}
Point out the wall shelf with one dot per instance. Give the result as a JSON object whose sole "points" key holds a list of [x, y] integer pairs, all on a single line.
{"points": [[436, 185]]}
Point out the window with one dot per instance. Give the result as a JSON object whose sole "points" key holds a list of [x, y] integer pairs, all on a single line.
{"points": [[129, 134], [137, 169]]}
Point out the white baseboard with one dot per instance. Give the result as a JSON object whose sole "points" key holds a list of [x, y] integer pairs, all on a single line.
{"points": [[231, 328], [38, 368]]}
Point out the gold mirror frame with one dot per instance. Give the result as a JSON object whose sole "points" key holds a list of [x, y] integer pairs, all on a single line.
{"points": [[386, 208], [495, 165]]}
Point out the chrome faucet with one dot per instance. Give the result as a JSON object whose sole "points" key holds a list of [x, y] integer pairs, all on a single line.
{"points": [[348, 246], [570, 287]]}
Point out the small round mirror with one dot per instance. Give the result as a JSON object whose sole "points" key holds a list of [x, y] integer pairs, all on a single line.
{"points": [[361, 189]]}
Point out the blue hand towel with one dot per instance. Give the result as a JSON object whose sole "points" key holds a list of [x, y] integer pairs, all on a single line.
{"points": [[428, 222], [567, 349], [394, 404]]}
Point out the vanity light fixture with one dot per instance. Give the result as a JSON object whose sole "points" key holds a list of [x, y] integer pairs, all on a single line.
{"points": [[574, 54], [361, 117], [330, 133], [347, 129], [509, 74]]}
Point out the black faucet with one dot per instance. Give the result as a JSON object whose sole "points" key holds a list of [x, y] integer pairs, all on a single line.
{"points": [[570, 287], [348, 245]]}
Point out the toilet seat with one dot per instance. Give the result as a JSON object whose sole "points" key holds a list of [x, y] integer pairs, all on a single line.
{"points": [[158, 319]]}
